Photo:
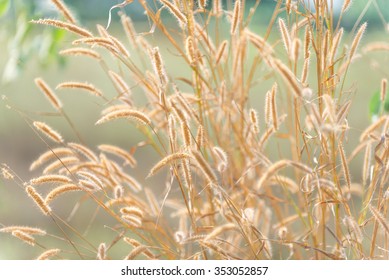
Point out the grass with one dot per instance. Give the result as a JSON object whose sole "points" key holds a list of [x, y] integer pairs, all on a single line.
{"points": [[249, 160]]}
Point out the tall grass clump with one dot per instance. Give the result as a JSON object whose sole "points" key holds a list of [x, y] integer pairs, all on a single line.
{"points": [[252, 140]]}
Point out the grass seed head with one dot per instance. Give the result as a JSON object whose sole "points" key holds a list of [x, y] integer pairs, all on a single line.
{"points": [[357, 40], [137, 116], [43, 206], [64, 25], [48, 254], [48, 92], [174, 10], [102, 252], [25, 237], [64, 11], [236, 17]]}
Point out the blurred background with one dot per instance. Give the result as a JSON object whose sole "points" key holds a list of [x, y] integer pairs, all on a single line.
{"points": [[29, 51]]}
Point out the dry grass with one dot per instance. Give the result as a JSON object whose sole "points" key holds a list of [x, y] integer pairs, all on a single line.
{"points": [[228, 196]]}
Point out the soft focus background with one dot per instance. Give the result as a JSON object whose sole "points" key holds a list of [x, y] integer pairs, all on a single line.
{"points": [[27, 52]]}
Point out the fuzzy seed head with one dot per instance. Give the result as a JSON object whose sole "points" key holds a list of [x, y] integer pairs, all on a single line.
{"points": [[64, 10], [137, 116], [25, 237], [48, 254], [346, 5], [49, 132], [190, 50], [102, 251], [357, 40], [175, 11], [64, 25], [235, 17], [285, 35], [158, 65], [254, 121], [307, 41], [221, 51], [6, 173], [168, 160], [48, 92], [43, 206]]}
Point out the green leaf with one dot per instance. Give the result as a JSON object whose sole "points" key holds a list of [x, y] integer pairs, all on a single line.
{"points": [[4, 6], [58, 34], [375, 103], [386, 105]]}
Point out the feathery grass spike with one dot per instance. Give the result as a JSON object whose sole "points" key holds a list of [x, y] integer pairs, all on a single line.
{"points": [[77, 85], [137, 116], [64, 25], [235, 17], [168, 160], [64, 10], [357, 40], [43, 206], [48, 254], [48, 93]]}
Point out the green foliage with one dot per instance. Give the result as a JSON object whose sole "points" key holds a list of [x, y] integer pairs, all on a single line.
{"points": [[376, 106], [48, 48], [4, 6], [23, 43]]}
